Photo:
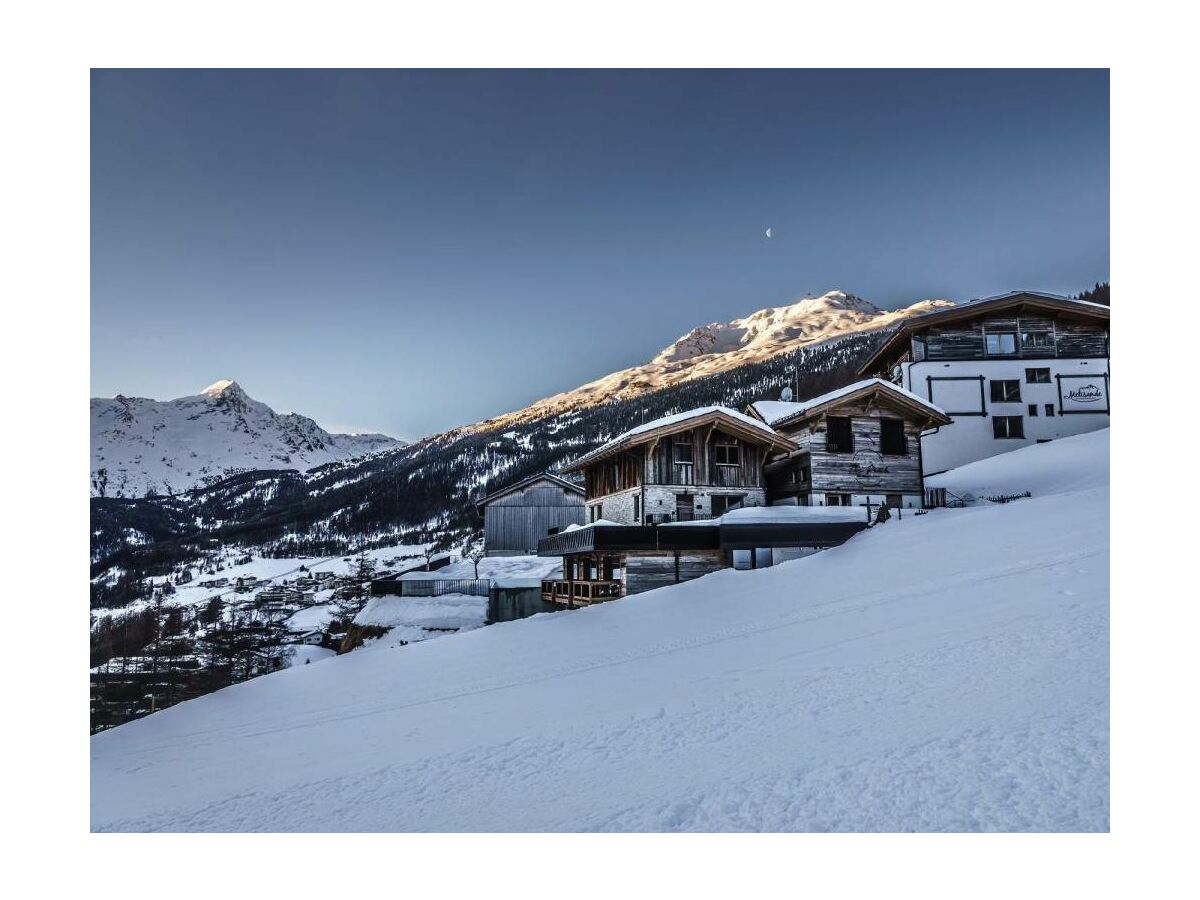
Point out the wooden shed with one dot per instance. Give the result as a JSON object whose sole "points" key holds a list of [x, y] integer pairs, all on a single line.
{"points": [[516, 517]]}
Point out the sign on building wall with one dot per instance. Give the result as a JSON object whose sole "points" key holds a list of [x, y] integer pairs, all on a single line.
{"points": [[1082, 394]]}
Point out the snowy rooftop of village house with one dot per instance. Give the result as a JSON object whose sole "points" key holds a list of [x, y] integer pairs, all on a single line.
{"points": [[700, 412], [504, 571], [781, 515], [461, 611], [777, 411]]}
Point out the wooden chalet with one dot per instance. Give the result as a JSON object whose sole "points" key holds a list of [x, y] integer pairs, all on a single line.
{"points": [[857, 446]]}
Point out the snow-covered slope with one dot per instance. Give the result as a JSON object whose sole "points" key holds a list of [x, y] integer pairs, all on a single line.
{"points": [[169, 446], [721, 346], [942, 672]]}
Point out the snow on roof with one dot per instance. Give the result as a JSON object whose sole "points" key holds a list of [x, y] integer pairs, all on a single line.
{"points": [[443, 611], [677, 419], [778, 411], [505, 571], [574, 527], [781, 515]]}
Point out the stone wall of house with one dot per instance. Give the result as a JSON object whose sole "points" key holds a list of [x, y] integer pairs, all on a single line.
{"points": [[660, 500]]}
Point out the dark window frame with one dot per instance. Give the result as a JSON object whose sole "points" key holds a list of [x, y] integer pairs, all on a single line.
{"points": [[834, 446], [733, 449], [1028, 344], [1034, 375], [691, 453], [1033, 410], [1005, 424], [1049, 409], [901, 439], [1005, 385]]}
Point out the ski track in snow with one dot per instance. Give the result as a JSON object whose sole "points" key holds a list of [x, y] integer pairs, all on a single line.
{"points": [[946, 672]]}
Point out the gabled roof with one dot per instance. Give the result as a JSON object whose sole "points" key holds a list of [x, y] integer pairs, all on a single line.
{"points": [[1039, 300], [730, 421], [778, 413], [525, 482]]}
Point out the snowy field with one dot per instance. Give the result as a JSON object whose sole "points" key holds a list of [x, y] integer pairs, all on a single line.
{"points": [[944, 672]]}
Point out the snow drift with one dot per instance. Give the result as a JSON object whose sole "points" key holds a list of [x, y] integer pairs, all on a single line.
{"points": [[942, 672]]}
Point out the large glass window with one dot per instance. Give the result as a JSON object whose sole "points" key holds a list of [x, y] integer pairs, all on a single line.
{"points": [[1037, 376], [1037, 340], [1001, 343], [683, 454]]}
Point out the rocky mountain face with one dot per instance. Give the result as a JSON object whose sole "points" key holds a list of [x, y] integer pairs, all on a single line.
{"points": [[142, 446], [722, 346]]}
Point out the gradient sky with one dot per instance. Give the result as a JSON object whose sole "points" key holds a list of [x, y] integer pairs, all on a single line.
{"points": [[408, 251]]}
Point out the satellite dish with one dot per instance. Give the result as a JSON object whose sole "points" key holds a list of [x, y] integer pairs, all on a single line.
{"points": [[786, 396], [768, 232]]}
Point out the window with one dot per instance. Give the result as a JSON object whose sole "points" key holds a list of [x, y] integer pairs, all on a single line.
{"points": [[683, 454], [1001, 343], [838, 436], [1007, 391], [595, 512], [1037, 340], [1049, 409], [837, 499], [637, 509], [1033, 409], [728, 454], [894, 501], [1037, 376], [1008, 427], [892, 441], [553, 530], [722, 503]]}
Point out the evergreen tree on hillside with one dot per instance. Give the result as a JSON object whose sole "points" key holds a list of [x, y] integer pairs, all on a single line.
{"points": [[1097, 294]]}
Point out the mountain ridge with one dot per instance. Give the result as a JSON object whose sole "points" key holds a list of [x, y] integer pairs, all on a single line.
{"points": [[140, 445], [722, 346]]}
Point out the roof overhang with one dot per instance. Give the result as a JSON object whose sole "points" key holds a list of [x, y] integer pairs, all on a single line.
{"points": [[912, 406], [669, 538], [727, 423], [1016, 300], [481, 502]]}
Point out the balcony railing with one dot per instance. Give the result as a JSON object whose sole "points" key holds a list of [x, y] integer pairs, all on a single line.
{"points": [[580, 593]]}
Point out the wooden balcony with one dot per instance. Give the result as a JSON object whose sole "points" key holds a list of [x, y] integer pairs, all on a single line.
{"points": [[572, 594]]}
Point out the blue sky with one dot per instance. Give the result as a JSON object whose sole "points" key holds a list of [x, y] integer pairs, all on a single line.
{"points": [[407, 251]]}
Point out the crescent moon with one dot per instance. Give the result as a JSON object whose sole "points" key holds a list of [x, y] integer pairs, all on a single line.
{"points": [[768, 232]]}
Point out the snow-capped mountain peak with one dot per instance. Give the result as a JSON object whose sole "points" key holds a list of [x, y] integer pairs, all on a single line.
{"points": [[141, 445], [222, 388], [720, 346]]}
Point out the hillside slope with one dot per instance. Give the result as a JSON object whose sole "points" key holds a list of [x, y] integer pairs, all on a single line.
{"points": [[944, 672], [168, 446]]}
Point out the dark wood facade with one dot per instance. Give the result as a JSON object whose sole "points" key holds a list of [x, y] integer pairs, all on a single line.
{"points": [[700, 457], [516, 518], [1021, 325]]}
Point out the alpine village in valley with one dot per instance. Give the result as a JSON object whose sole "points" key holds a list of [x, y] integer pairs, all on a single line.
{"points": [[741, 470]]}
